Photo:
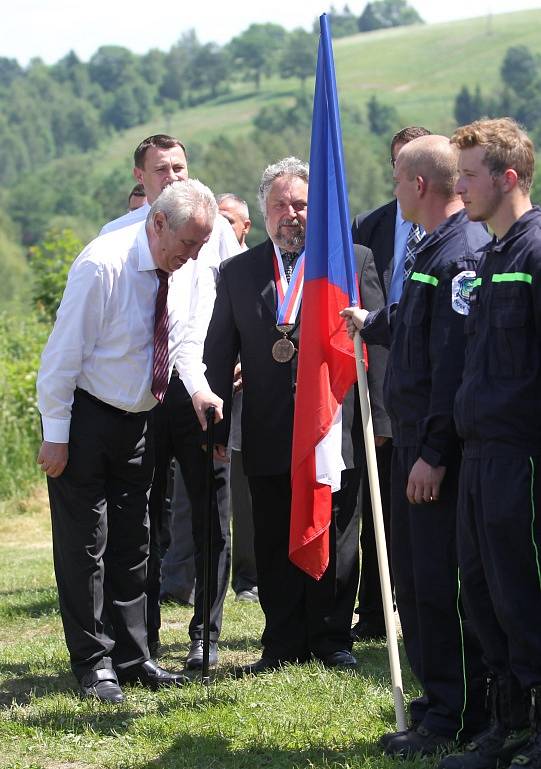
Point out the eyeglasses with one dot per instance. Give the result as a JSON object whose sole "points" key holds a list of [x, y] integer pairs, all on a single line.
{"points": [[392, 161]]}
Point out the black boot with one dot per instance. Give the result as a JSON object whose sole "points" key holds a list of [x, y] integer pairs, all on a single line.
{"points": [[530, 755], [495, 746]]}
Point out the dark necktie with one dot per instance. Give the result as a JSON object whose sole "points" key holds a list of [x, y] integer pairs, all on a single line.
{"points": [[288, 258], [414, 237], [160, 365]]}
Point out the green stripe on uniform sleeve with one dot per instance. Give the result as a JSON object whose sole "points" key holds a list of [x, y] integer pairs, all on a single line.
{"points": [[511, 277], [423, 278], [476, 283]]}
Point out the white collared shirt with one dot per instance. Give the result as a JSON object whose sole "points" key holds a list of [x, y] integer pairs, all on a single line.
{"points": [[193, 294], [132, 217], [103, 338]]}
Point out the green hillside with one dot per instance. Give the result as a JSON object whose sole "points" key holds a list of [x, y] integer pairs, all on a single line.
{"points": [[419, 70], [416, 70]]}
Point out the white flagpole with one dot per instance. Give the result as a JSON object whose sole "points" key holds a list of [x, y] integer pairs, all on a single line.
{"points": [[379, 530]]}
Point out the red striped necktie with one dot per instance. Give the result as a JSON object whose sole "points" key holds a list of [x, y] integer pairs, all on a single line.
{"points": [[160, 366]]}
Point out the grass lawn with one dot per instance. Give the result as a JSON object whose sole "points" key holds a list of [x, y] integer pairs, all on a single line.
{"points": [[300, 717]]}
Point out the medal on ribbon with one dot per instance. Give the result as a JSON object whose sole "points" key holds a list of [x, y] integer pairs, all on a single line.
{"points": [[289, 300]]}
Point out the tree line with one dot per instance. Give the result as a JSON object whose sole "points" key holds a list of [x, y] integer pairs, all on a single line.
{"points": [[48, 112], [519, 97]]}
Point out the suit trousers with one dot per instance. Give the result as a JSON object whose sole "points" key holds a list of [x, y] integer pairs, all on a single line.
{"points": [[304, 616], [499, 545], [243, 568], [178, 563], [100, 535], [178, 435], [442, 648]]}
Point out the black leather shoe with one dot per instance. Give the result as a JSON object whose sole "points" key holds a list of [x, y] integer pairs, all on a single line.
{"points": [[194, 660], [264, 665], [342, 659], [152, 675], [369, 630], [101, 685], [388, 737], [418, 742], [490, 749]]}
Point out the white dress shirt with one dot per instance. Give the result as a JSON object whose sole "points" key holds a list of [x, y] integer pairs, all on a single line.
{"points": [[132, 217], [193, 294], [103, 338]]}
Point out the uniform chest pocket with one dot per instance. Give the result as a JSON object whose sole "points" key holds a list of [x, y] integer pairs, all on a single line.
{"points": [[510, 340], [415, 353]]}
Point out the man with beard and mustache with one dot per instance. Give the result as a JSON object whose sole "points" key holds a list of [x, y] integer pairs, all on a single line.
{"points": [[304, 618]]}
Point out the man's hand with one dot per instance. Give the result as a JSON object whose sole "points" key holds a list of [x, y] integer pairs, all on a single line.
{"points": [[201, 400], [424, 482], [355, 318], [53, 458], [220, 453], [380, 440], [237, 378]]}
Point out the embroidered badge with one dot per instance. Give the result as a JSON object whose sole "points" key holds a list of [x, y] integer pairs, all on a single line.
{"points": [[460, 291]]}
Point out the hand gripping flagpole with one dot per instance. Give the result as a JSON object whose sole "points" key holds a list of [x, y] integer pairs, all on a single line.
{"points": [[381, 547], [379, 531]]}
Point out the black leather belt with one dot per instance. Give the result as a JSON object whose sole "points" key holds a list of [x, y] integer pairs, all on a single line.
{"points": [[107, 406]]}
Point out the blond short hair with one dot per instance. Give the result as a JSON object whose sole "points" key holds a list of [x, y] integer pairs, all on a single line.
{"points": [[506, 145]]}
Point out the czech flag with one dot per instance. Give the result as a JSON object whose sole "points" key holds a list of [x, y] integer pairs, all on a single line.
{"points": [[326, 369]]}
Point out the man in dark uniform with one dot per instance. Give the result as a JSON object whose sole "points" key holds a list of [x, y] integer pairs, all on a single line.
{"points": [[385, 232], [425, 366], [498, 415], [303, 617]]}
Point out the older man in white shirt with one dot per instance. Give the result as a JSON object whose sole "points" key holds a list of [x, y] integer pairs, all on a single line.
{"points": [[160, 160], [104, 368]]}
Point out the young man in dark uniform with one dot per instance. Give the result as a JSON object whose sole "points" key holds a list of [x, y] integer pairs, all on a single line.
{"points": [[498, 415], [425, 333]]}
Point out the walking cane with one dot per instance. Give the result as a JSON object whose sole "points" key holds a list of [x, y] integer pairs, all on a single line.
{"points": [[379, 530], [207, 544]]}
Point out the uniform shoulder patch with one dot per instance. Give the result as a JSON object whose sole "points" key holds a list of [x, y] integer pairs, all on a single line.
{"points": [[461, 289]]}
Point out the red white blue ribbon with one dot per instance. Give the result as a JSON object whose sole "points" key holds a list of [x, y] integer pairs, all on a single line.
{"points": [[289, 294]]}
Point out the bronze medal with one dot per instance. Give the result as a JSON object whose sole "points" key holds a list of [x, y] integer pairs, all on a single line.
{"points": [[283, 350]]}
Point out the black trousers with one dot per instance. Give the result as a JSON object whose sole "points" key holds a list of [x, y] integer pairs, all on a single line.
{"points": [[100, 536], [243, 568], [178, 435], [370, 602], [442, 648], [499, 549], [304, 616]]}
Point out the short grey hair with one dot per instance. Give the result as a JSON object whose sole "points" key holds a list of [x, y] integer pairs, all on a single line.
{"points": [[237, 199], [286, 167], [181, 201]]}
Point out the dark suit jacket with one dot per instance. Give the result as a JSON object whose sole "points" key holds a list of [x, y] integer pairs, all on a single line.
{"points": [[244, 322], [375, 229]]}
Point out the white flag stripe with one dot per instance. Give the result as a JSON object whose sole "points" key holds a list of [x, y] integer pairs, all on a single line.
{"points": [[329, 461]]}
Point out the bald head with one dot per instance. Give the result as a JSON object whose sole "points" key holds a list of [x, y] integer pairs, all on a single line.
{"points": [[434, 159]]}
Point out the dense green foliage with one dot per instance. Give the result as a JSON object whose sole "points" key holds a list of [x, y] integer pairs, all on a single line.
{"points": [[21, 341], [50, 261], [382, 14], [519, 96]]}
